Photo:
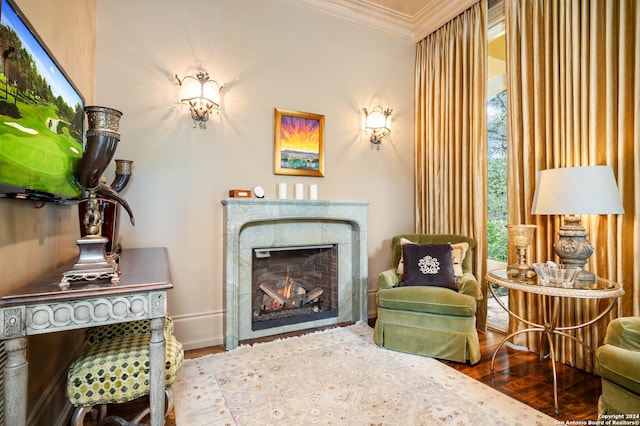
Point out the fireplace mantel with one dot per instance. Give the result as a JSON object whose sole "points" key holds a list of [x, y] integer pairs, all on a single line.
{"points": [[251, 223]]}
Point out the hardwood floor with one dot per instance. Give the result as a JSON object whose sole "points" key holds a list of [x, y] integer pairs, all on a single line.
{"points": [[518, 374], [522, 376]]}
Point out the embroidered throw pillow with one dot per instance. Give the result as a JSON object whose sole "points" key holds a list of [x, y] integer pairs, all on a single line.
{"points": [[428, 265]]}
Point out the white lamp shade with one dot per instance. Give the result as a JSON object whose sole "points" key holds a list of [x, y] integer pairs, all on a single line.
{"points": [[211, 92], [200, 89], [190, 88], [375, 120], [576, 191]]}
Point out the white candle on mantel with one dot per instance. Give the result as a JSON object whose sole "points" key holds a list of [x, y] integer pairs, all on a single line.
{"points": [[282, 191], [299, 191], [313, 192]]}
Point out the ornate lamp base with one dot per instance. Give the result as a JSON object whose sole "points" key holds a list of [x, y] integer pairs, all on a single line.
{"points": [[573, 248], [92, 265]]}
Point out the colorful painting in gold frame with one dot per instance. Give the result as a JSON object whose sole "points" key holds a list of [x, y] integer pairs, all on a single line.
{"points": [[298, 143]]}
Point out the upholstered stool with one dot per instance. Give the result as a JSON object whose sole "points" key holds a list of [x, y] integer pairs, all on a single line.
{"points": [[116, 370], [95, 335]]}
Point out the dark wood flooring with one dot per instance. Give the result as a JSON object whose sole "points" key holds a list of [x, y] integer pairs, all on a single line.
{"points": [[518, 374]]}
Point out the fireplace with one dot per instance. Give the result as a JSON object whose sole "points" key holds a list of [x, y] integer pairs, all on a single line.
{"points": [[260, 229], [294, 284]]}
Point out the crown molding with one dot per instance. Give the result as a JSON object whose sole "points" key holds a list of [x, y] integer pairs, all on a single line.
{"points": [[365, 13], [432, 16], [437, 13]]}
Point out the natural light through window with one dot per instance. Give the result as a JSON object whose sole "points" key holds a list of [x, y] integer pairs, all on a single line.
{"points": [[497, 242]]}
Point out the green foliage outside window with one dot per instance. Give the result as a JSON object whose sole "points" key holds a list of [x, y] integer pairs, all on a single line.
{"points": [[497, 177]]}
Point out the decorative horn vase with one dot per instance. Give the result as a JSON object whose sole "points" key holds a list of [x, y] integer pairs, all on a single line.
{"points": [[107, 207], [102, 140], [98, 212], [123, 174]]}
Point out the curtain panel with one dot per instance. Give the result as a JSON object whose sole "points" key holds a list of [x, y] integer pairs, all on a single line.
{"points": [[451, 133], [573, 93]]}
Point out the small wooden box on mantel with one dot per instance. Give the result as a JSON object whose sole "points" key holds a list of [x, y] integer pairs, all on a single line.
{"points": [[239, 193]]}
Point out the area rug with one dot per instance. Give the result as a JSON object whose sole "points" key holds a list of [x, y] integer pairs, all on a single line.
{"points": [[336, 377]]}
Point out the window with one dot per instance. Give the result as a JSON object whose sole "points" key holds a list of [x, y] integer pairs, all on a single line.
{"points": [[497, 241], [497, 176]]}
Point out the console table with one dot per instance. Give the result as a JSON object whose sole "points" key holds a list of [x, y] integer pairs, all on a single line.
{"points": [[551, 296], [42, 306]]}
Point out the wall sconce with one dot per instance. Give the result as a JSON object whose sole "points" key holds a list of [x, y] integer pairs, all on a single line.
{"points": [[202, 95], [379, 122]]}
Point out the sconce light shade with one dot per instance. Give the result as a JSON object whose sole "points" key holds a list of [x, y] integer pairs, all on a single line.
{"points": [[202, 95], [574, 191], [377, 120]]}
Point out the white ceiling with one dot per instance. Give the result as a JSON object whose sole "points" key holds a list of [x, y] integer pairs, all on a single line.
{"points": [[409, 19]]}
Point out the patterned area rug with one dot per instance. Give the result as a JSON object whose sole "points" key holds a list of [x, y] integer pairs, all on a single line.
{"points": [[337, 377]]}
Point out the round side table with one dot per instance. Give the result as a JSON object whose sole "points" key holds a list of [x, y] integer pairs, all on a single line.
{"points": [[551, 297]]}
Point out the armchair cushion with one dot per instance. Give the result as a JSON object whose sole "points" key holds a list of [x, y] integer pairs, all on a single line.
{"points": [[620, 366], [619, 357], [435, 300], [428, 264], [624, 333]]}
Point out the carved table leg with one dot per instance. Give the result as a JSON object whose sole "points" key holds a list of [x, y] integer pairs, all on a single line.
{"points": [[157, 349], [15, 382]]}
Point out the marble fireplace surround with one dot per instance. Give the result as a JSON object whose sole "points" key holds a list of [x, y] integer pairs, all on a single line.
{"points": [[260, 223]]}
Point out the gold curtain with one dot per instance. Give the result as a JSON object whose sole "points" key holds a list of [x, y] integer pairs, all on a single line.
{"points": [[573, 90], [451, 132]]}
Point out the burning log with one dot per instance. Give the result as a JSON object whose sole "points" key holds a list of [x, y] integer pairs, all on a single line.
{"points": [[314, 294], [286, 295], [273, 293]]}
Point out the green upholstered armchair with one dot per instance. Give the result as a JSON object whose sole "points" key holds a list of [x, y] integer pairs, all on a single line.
{"points": [[427, 320], [619, 367]]}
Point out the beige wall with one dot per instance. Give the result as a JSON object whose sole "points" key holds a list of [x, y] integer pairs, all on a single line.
{"points": [[271, 54], [36, 240]]}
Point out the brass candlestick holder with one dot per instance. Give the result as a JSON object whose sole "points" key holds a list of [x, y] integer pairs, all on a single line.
{"points": [[522, 237]]}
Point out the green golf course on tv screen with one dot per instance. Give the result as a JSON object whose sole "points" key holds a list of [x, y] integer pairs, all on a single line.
{"points": [[41, 116]]}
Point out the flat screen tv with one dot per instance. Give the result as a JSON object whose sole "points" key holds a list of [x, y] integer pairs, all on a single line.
{"points": [[41, 116]]}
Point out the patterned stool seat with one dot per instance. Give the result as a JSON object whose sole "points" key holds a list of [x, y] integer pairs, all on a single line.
{"points": [[116, 370], [95, 335]]}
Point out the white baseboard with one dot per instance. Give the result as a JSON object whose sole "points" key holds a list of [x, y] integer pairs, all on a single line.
{"points": [[199, 329]]}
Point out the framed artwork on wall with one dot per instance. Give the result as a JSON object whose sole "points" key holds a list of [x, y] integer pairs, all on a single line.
{"points": [[298, 143]]}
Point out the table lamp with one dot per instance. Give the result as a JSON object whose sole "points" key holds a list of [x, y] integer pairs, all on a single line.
{"points": [[574, 191]]}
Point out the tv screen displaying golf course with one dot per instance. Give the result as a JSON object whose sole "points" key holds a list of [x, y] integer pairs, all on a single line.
{"points": [[41, 116]]}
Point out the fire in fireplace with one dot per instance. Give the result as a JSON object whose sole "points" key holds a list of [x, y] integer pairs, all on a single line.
{"points": [[293, 284]]}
